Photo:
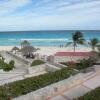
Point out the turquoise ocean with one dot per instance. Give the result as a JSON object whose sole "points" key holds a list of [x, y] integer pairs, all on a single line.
{"points": [[42, 38]]}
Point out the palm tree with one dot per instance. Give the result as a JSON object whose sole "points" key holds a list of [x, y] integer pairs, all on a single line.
{"points": [[77, 38], [98, 48], [93, 43], [25, 43]]}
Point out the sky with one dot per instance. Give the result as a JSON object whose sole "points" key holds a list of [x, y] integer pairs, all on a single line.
{"points": [[21, 15]]}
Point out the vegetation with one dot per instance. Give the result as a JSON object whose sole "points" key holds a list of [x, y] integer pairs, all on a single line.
{"points": [[98, 48], [11, 64], [5, 66], [31, 84], [82, 64], [93, 43], [70, 64], [37, 62], [92, 95], [85, 63], [77, 38]]}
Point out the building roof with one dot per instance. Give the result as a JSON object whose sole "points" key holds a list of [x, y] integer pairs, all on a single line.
{"points": [[28, 49], [73, 54], [15, 48], [25, 43]]}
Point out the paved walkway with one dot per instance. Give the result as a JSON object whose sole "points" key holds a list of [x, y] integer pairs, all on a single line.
{"points": [[90, 81], [18, 73], [18, 64]]}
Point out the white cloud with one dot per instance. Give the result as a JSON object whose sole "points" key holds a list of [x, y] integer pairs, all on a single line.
{"points": [[61, 15], [11, 5], [80, 6]]}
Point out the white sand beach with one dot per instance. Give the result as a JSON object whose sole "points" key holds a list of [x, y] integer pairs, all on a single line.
{"points": [[50, 50]]}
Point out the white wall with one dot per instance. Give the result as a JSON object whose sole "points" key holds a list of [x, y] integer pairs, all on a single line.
{"points": [[58, 59], [43, 67], [37, 69]]}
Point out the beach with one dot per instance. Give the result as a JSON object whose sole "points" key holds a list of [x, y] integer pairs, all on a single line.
{"points": [[50, 50], [48, 42]]}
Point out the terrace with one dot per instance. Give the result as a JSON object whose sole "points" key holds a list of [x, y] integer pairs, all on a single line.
{"points": [[70, 56], [26, 69]]}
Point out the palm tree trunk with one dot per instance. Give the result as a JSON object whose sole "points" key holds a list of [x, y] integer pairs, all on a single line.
{"points": [[74, 46], [93, 48]]}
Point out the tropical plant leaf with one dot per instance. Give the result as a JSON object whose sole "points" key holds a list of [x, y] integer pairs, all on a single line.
{"points": [[68, 43]]}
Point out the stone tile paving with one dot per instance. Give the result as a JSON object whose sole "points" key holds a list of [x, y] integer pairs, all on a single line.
{"points": [[90, 81], [93, 83], [76, 92], [16, 74], [59, 97]]}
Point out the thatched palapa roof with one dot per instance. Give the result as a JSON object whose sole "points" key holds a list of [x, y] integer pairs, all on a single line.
{"points": [[15, 48], [28, 49]]}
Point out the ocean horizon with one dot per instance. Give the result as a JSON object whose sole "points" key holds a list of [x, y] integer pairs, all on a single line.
{"points": [[43, 38]]}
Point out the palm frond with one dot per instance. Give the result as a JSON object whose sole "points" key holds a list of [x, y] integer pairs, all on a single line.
{"points": [[68, 43], [81, 41]]}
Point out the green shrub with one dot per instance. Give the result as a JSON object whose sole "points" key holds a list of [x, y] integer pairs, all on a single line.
{"points": [[85, 63], [0, 64], [5, 66], [37, 62], [31, 84], [92, 95], [82, 64], [12, 64]]}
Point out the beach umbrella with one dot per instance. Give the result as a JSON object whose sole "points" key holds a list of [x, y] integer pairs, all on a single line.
{"points": [[15, 48]]}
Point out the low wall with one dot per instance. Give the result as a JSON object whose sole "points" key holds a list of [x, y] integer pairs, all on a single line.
{"points": [[43, 67], [46, 92], [37, 69], [60, 65], [18, 58], [58, 59], [51, 68]]}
